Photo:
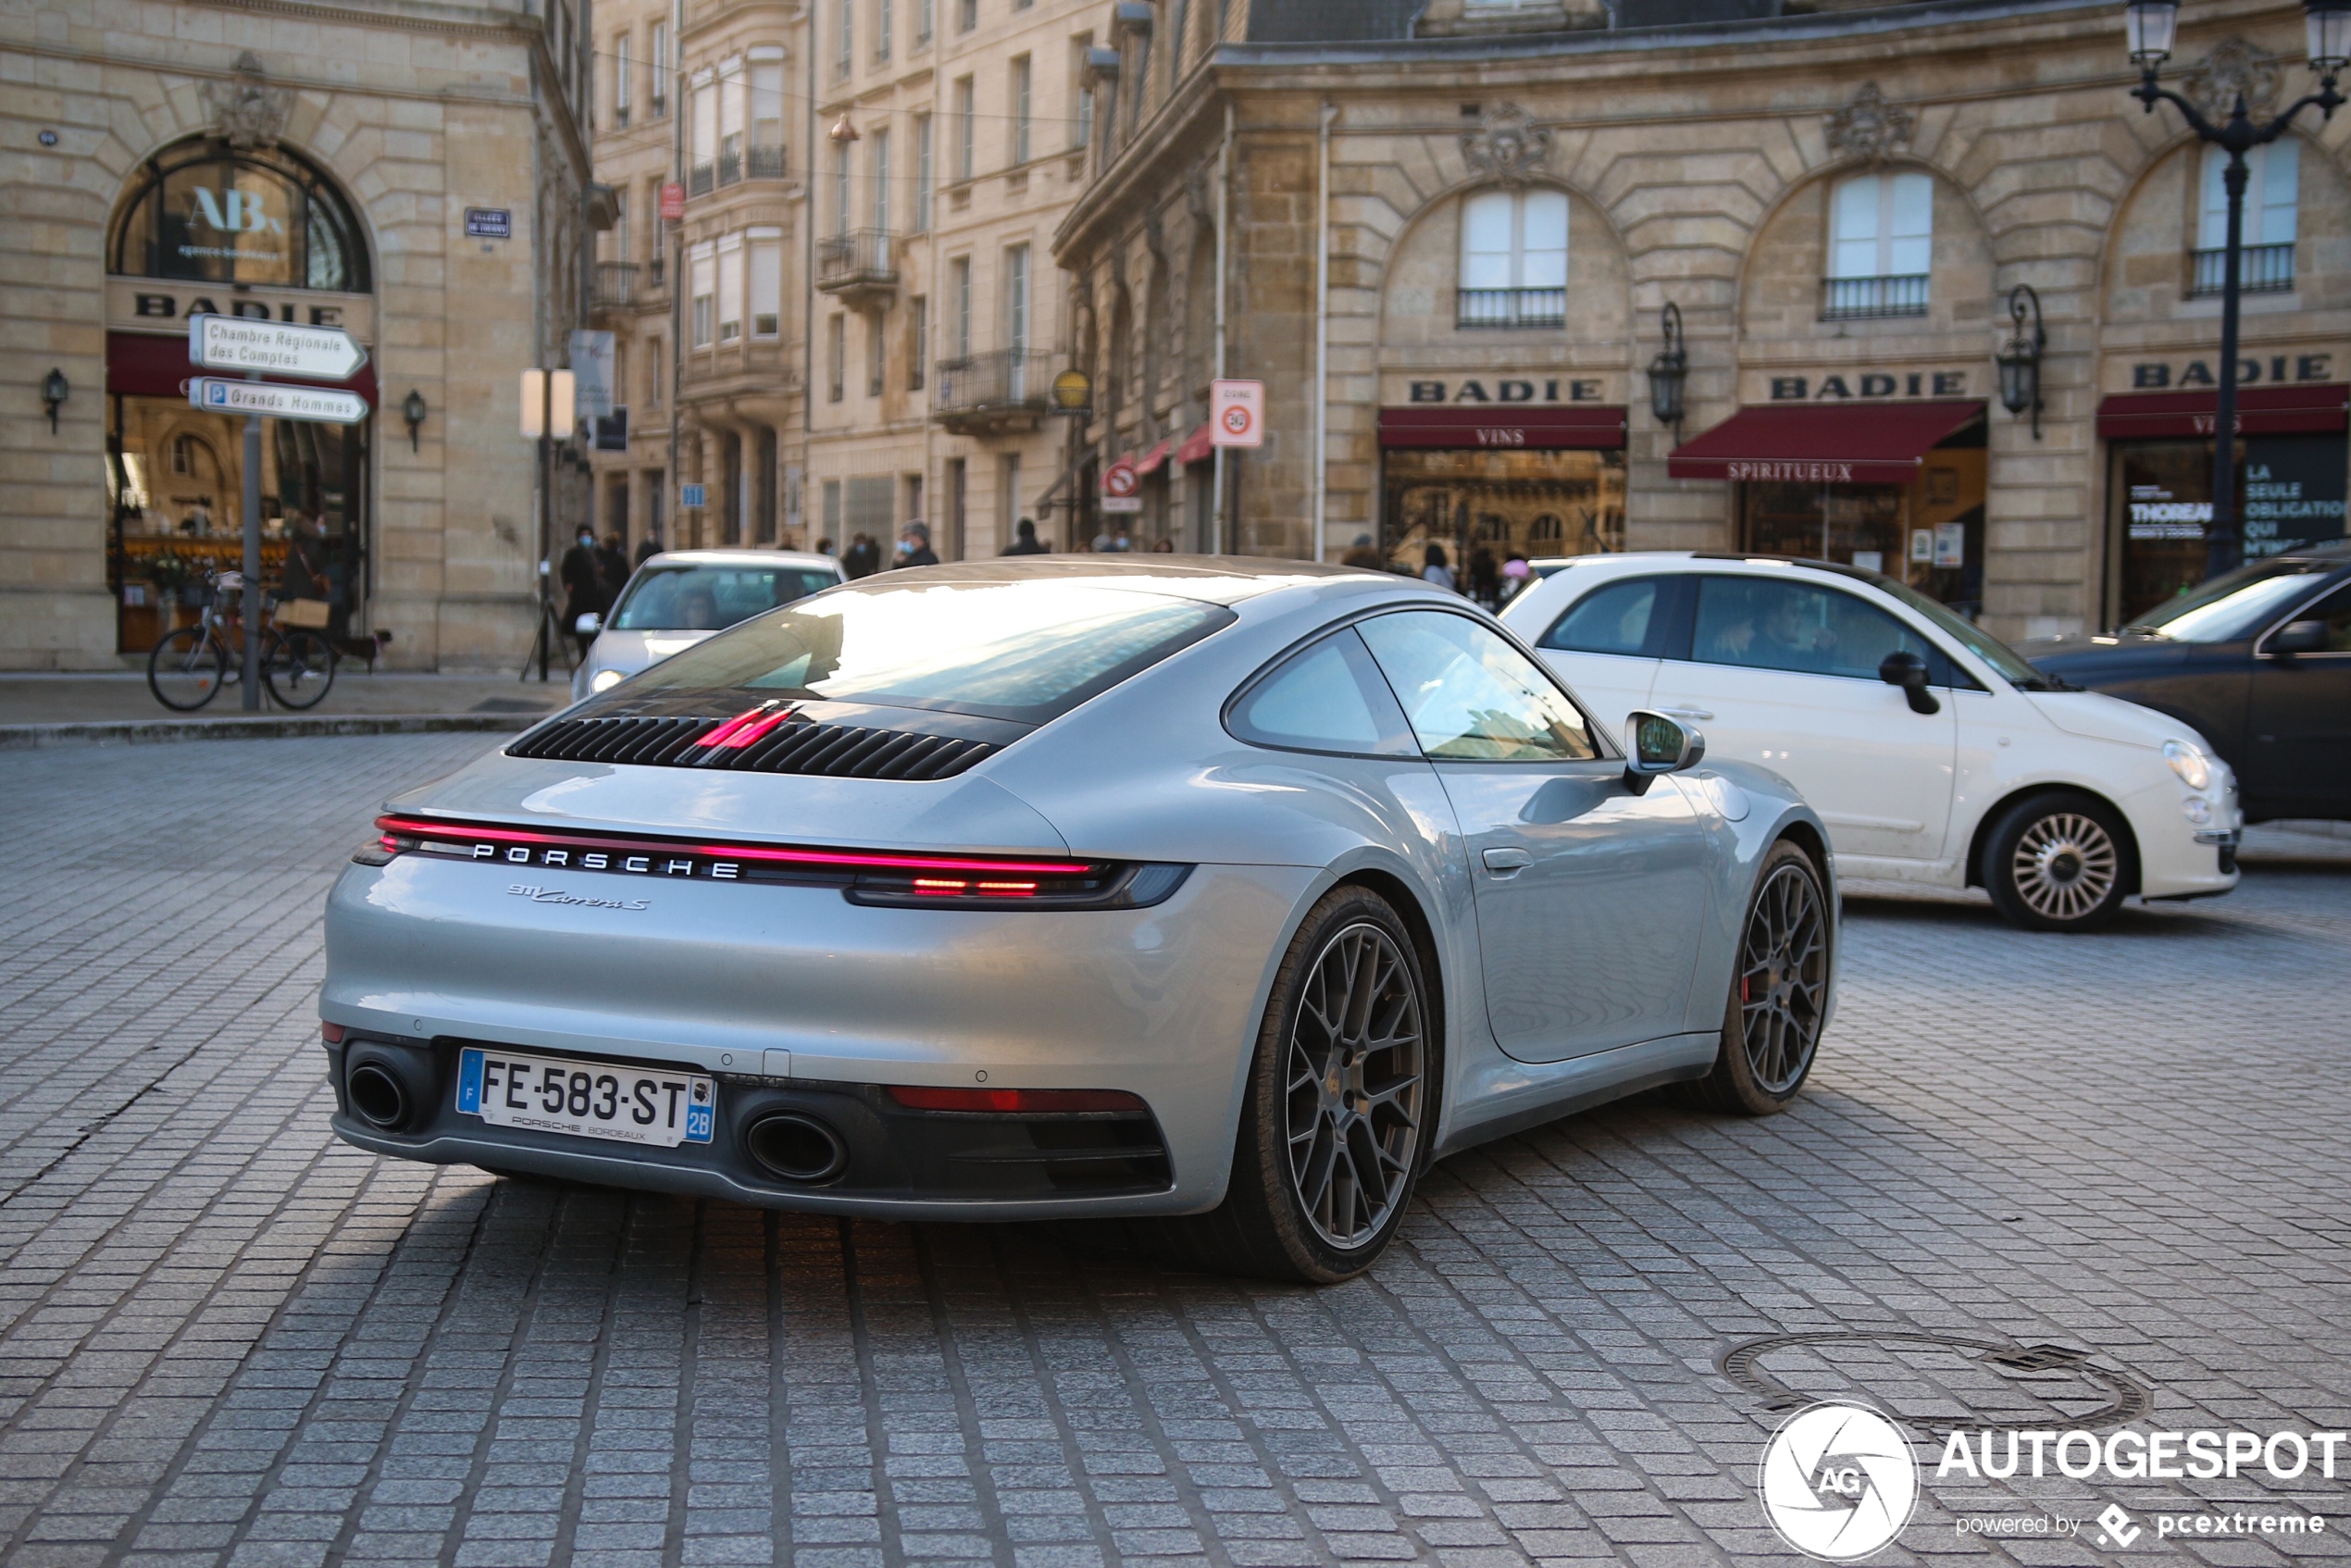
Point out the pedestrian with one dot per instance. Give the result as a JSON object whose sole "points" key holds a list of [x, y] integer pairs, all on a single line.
{"points": [[863, 559], [1516, 575], [1103, 544], [648, 546], [1363, 553], [1486, 582], [1164, 547], [826, 547], [300, 577], [915, 547], [583, 586], [1435, 570], [1120, 542], [611, 565], [1024, 539]]}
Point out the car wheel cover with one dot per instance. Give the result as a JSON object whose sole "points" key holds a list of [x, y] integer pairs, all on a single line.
{"points": [[2065, 865], [1353, 1071], [1782, 979]]}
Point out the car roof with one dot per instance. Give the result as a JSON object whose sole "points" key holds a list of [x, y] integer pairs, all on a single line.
{"points": [[741, 558], [1630, 559], [1223, 579]]}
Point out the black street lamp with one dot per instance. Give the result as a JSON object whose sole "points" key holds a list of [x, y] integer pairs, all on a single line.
{"points": [[2151, 25], [412, 408], [1668, 371], [2020, 360]]}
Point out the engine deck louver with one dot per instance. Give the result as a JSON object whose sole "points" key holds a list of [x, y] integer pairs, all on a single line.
{"points": [[827, 750]]}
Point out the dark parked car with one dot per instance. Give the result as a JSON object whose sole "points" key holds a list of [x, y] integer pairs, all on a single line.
{"points": [[2259, 660]]}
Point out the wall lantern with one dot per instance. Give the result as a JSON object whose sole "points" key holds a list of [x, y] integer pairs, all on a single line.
{"points": [[1668, 371], [412, 408], [54, 392], [2020, 359]]}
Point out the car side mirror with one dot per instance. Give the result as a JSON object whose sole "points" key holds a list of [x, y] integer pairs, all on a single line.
{"points": [[1655, 744], [589, 624], [2299, 637], [1906, 669]]}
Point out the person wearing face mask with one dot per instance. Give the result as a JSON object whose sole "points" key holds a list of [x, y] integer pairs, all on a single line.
{"points": [[583, 582]]}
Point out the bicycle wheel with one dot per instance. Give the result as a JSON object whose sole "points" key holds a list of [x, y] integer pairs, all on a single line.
{"points": [[187, 669], [298, 667]]}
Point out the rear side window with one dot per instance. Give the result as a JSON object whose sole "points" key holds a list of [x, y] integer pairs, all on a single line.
{"points": [[1623, 618], [1769, 622], [1327, 697]]}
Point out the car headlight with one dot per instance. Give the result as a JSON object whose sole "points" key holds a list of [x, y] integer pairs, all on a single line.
{"points": [[2196, 809], [605, 680], [2190, 762]]}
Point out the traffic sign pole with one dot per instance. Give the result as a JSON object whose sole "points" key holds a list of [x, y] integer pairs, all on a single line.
{"points": [[251, 598]]}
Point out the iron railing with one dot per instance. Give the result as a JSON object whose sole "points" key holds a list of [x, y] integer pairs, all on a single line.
{"points": [[765, 162], [2261, 269], [730, 166], [1510, 308], [1859, 299], [701, 180], [857, 257], [1000, 380]]}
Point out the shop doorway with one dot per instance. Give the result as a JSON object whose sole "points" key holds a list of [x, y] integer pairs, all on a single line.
{"points": [[1928, 533], [2290, 491], [1481, 507]]}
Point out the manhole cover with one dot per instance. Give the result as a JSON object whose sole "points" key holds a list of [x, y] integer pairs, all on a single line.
{"points": [[1939, 1381]]}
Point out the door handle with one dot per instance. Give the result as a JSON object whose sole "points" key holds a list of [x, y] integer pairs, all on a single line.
{"points": [[1507, 863], [1685, 712]]}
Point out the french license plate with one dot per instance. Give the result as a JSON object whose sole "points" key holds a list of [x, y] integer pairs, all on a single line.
{"points": [[586, 1099]]}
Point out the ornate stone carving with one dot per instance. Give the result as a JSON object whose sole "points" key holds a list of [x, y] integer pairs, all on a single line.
{"points": [[1507, 148], [246, 111], [2235, 68], [1868, 128]]}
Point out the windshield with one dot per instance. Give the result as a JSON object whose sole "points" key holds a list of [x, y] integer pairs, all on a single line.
{"points": [[2012, 667], [706, 598], [1025, 650], [2233, 605]]}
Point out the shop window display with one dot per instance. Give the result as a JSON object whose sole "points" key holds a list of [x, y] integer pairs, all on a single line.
{"points": [[1532, 503], [1928, 534], [2291, 491]]}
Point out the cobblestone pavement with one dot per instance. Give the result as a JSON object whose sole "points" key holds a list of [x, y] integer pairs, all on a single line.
{"points": [[226, 1339]]}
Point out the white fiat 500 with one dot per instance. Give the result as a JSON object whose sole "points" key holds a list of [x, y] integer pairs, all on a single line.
{"points": [[1934, 752], [679, 597]]}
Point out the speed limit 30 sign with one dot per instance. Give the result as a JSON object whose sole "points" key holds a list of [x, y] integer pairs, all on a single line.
{"points": [[1237, 413]]}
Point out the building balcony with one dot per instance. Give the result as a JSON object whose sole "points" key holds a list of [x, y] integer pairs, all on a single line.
{"points": [[1004, 390], [765, 163], [615, 286], [701, 179], [1510, 308], [1865, 299], [857, 267], [2261, 269]]}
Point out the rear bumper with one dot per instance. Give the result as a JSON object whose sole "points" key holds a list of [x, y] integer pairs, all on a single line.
{"points": [[795, 1000]]}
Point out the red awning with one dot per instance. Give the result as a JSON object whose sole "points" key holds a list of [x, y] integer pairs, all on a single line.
{"points": [[1845, 443], [152, 364], [2310, 407], [1505, 429], [1196, 447], [1150, 461]]}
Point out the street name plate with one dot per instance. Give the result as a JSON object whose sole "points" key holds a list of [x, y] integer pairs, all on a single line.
{"points": [[326, 405], [237, 342]]}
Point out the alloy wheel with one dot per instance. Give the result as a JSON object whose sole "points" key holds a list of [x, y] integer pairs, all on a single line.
{"points": [[1782, 978], [1353, 1071], [2065, 865]]}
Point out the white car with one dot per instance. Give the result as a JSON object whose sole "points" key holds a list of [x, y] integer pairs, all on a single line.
{"points": [[679, 597], [1934, 752]]}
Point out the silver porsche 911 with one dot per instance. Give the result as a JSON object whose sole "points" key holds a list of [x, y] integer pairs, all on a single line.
{"points": [[1216, 897]]}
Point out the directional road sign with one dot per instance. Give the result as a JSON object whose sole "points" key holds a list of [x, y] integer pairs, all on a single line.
{"points": [[244, 342], [325, 406]]}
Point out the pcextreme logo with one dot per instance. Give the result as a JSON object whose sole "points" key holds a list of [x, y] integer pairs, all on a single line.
{"points": [[1838, 1481]]}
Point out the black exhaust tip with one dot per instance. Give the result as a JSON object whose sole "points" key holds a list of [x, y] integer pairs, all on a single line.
{"points": [[796, 1147], [378, 1095]]}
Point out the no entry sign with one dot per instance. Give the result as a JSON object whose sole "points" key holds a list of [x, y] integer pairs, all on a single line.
{"points": [[1237, 413]]}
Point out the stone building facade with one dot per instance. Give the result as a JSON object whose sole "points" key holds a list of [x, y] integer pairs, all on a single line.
{"points": [[1840, 207], [413, 172]]}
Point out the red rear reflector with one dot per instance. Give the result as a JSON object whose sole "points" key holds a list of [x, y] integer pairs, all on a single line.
{"points": [[330, 1033], [1015, 1100]]}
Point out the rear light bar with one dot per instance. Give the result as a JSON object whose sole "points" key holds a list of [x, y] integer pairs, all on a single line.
{"points": [[868, 877], [1019, 1102]]}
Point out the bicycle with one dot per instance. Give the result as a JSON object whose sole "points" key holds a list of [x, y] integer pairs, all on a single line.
{"points": [[190, 666]]}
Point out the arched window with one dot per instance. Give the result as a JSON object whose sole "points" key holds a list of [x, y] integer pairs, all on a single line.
{"points": [[1545, 528], [1880, 246], [2272, 210], [201, 211], [1514, 259]]}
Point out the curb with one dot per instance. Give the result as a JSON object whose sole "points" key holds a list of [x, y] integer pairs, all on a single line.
{"points": [[35, 737]]}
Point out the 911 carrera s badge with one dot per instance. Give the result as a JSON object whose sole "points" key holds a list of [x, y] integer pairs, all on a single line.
{"points": [[556, 895]]}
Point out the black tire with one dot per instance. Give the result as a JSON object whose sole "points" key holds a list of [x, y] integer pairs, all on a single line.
{"points": [[187, 669], [298, 666], [1341, 1105], [2058, 862], [1779, 990]]}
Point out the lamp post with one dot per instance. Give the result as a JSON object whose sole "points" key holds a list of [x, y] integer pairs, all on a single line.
{"points": [[2020, 360], [2151, 26], [1668, 371]]}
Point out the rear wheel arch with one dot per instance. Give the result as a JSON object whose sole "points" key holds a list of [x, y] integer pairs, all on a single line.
{"points": [[1401, 897], [1991, 818]]}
